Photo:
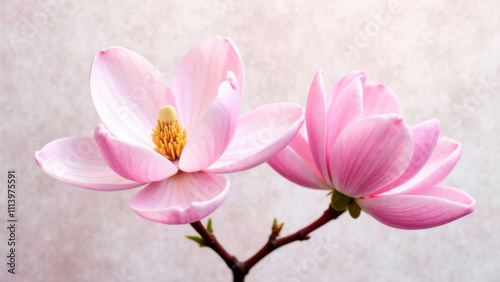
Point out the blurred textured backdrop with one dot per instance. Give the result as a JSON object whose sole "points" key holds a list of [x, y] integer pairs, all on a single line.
{"points": [[441, 57]]}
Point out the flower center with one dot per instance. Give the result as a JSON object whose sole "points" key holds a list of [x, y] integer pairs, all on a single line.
{"points": [[169, 136]]}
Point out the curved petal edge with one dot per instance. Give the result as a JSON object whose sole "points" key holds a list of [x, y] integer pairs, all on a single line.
{"points": [[216, 129], [131, 161], [292, 167], [199, 74], [437, 206], [370, 154], [262, 133], [77, 161], [127, 92], [181, 199]]}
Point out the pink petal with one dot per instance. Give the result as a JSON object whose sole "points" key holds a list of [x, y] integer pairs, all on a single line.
{"points": [[316, 124], [342, 83], [442, 160], [300, 145], [437, 206], [132, 162], [182, 198], [215, 131], [76, 160], [425, 137], [370, 153], [378, 99], [128, 92], [295, 163], [261, 134], [199, 75], [345, 108]]}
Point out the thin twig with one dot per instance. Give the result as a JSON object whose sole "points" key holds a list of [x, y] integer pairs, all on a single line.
{"points": [[210, 241], [302, 234], [241, 269]]}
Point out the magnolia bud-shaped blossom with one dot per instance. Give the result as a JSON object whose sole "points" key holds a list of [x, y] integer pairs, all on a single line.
{"points": [[360, 146]]}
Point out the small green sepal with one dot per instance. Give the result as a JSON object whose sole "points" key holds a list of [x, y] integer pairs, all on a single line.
{"points": [[339, 201], [209, 226], [197, 239], [354, 209]]}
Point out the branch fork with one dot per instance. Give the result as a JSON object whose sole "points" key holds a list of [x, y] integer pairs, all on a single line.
{"points": [[240, 269]]}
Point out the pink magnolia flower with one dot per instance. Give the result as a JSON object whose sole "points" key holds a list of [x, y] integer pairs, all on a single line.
{"points": [[359, 145], [177, 139]]}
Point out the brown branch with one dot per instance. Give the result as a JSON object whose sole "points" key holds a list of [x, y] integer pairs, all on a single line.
{"points": [[210, 241], [241, 269], [302, 234]]}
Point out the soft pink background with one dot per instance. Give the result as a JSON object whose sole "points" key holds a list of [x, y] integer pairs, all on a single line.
{"points": [[436, 55]]}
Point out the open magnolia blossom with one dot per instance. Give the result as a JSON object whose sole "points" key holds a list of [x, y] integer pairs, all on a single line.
{"points": [[177, 139], [359, 146]]}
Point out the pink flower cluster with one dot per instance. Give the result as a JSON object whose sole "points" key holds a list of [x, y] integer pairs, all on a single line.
{"points": [[358, 144]]}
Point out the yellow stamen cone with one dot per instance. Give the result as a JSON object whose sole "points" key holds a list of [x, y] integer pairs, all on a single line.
{"points": [[169, 136]]}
